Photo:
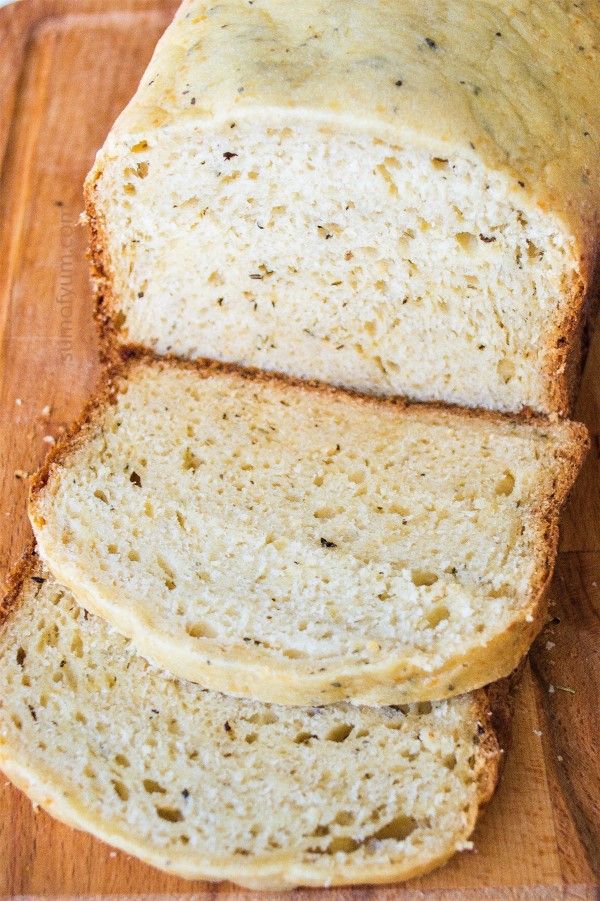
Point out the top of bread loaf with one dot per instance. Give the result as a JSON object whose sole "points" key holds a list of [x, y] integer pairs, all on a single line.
{"points": [[511, 84]]}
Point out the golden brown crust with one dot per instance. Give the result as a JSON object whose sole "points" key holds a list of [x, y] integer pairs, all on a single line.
{"points": [[99, 273], [564, 363], [14, 583], [569, 344]]}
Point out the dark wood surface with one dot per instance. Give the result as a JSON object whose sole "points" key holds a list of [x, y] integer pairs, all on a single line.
{"points": [[67, 67]]}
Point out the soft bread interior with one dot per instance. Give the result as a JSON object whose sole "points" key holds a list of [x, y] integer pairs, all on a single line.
{"points": [[334, 255], [307, 532]]}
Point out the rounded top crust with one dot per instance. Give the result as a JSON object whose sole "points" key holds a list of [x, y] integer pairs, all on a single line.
{"points": [[512, 85]]}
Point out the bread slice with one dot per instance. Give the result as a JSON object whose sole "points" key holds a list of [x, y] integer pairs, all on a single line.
{"points": [[399, 197], [210, 787], [298, 544]]}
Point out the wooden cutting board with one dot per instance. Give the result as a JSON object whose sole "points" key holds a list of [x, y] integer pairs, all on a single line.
{"points": [[67, 67]]}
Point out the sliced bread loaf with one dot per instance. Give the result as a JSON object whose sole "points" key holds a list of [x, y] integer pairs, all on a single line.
{"points": [[210, 787], [399, 197], [298, 544]]}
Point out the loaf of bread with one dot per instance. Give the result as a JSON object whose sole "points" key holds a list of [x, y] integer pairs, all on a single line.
{"points": [[301, 545], [390, 195], [210, 787]]}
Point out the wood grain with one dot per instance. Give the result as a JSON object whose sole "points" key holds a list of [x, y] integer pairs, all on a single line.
{"points": [[67, 67]]}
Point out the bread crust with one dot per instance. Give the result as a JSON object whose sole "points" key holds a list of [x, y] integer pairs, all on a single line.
{"points": [[491, 713], [237, 670]]}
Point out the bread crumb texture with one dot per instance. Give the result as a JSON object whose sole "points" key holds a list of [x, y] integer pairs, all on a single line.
{"points": [[393, 197], [302, 545], [208, 786]]}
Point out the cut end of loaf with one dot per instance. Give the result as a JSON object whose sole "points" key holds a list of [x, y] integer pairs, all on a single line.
{"points": [[348, 259], [172, 773]]}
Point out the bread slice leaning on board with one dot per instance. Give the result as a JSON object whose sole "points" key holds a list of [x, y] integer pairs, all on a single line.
{"points": [[181, 777], [301, 545], [398, 197]]}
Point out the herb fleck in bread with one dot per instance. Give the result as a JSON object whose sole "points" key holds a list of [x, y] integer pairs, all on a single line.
{"points": [[399, 197], [298, 544], [207, 786]]}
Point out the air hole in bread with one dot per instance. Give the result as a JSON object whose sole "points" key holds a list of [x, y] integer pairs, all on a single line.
{"points": [[48, 638], [264, 719], [171, 814], [324, 513], [77, 645], [506, 484], [344, 818], [506, 369], [190, 460], [398, 829], [423, 577], [437, 615], [294, 654], [200, 630], [153, 787], [467, 242], [339, 733], [121, 790], [357, 477], [450, 761], [342, 843]]}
